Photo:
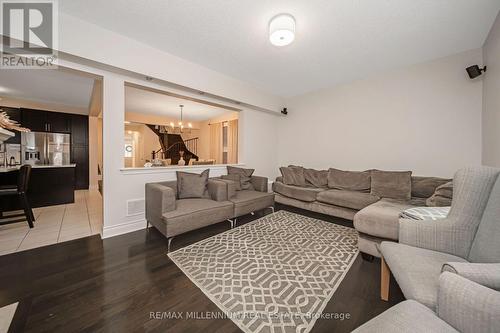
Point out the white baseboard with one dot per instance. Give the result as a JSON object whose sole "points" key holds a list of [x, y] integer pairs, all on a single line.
{"points": [[123, 228]]}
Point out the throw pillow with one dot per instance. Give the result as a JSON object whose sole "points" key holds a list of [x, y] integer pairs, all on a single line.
{"points": [[424, 187], [192, 185], [316, 178], [293, 175], [245, 176], [442, 197], [391, 184], [235, 178], [349, 180]]}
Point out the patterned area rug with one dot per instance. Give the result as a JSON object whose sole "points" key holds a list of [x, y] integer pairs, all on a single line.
{"points": [[6, 315], [275, 274]]}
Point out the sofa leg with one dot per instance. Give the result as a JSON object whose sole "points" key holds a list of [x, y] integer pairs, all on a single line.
{"points": [[147, 224], [169, 241], [252, 213], [233, 222], [385, 278], [272, 208], [367, 257]]}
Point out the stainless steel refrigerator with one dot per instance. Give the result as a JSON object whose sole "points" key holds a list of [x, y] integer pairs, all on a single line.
{"points": [[39, 148]]}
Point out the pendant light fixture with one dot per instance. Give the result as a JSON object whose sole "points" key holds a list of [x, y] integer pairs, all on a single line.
{"points": [[180, 124]]}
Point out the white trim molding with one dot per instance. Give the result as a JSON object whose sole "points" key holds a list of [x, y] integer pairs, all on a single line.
{"points": [[175, 168], [124, 228]]}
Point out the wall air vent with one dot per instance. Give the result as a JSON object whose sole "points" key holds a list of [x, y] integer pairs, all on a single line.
{"points": [[136, 207]]}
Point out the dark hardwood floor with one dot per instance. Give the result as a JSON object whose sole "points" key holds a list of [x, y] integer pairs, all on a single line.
{"points": [[113, 285]]}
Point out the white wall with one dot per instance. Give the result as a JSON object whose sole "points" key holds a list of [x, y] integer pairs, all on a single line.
{"points": [[93, 152], [89, 41], [425, 118], [491, 97]]}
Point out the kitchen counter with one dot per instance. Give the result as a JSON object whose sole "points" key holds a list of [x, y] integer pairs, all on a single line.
{"points": [[49, 185], [15, 168]]}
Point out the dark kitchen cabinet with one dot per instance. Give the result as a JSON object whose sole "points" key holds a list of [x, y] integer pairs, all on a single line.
{"points": [[76, 125], [15, 115], [58, 122], [79, 130], [46, 121], [35, 120], [80, 156], [80, 150], [48, 186]]}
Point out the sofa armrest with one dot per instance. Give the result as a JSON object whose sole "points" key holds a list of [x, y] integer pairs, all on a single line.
{"points": [[486, 274], [231, 187], [259, 183], [217, 190], [466, 305], [441, 235], [159, 199]]}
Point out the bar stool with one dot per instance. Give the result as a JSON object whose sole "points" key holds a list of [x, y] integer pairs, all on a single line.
{"points": [[19, 190]]}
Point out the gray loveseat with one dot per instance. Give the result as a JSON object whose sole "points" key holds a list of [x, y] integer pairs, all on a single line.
{"points": [[224, 200], [248, 200], [173, 216], [375, 217]]}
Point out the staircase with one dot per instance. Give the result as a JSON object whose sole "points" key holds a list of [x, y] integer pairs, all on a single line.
{"points": [[172, 145]]}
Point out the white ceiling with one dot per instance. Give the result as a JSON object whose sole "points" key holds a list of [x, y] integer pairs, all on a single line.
{"points": [[147, 102], [47, 86], [337, 40]]}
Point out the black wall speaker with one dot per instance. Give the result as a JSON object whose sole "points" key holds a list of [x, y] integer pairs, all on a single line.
{"points": [[475, 71]]}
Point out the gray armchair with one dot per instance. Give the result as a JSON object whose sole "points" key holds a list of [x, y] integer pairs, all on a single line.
{"points": [[462, 306], [469, 234], [172, 216]]}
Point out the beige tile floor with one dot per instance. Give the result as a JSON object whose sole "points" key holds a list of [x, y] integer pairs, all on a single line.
{"points": [[55, 224]]}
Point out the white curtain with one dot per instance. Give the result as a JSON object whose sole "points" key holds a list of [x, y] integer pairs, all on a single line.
{"points": [[216, 142], [232, 142]]}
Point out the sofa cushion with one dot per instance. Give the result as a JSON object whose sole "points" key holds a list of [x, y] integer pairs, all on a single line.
{"points": [[192, 214], [391, 184], [236, 178], [349, 199], [248, 201], [307, 194], [316, 178], [424, 187], [442, 196], [349, 180], [192, 185], [293, 175], [416, 270], [409, 317], [245, 176], [381, 219]]}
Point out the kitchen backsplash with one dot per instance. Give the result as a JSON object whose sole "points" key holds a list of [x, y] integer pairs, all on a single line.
{"points": [[10, 154]]}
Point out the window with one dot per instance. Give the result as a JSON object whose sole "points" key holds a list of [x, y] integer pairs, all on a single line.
{"points": [[224, 142]]}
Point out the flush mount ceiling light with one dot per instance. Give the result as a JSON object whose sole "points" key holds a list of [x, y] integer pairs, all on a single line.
{"points": [[282, 29]]}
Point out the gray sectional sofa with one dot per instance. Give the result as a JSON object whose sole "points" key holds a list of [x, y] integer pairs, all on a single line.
{"points": [[223, 199], [350, 195]]}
